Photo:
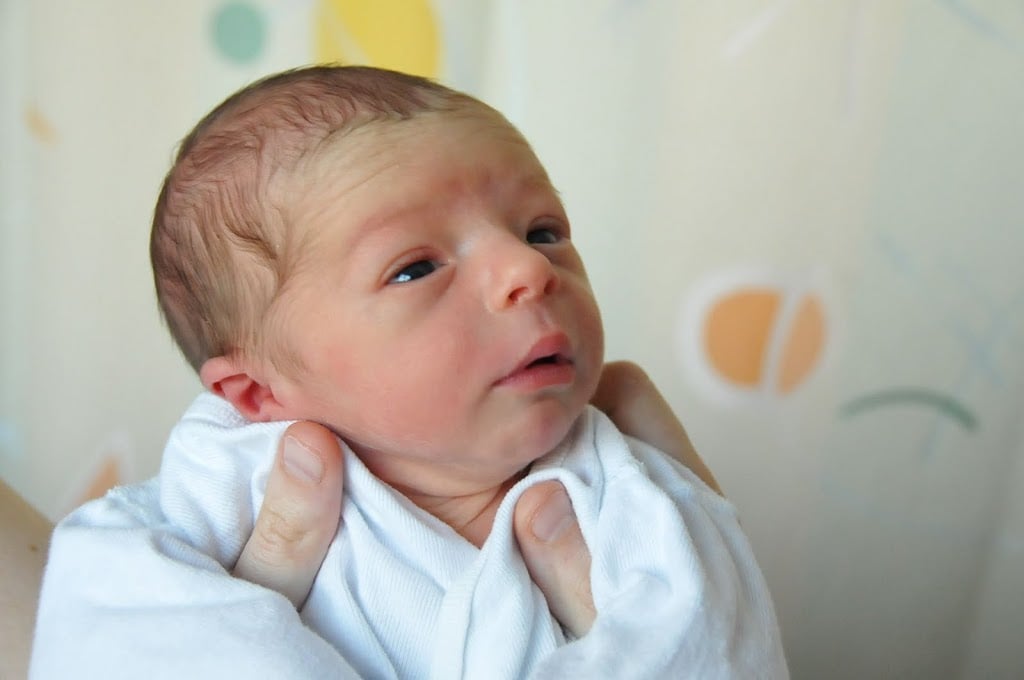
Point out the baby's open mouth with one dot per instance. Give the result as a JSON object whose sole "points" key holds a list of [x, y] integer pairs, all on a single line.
{"points": [[549, 359]]}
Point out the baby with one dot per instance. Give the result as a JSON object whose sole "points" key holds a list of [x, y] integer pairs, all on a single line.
{"points": [[386, 256]]}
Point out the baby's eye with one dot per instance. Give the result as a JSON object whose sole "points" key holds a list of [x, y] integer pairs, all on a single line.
{"points": [[416, 270], [543, 235]]}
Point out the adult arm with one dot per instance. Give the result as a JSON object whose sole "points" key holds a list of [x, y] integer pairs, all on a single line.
{"points": [[24, 535]]}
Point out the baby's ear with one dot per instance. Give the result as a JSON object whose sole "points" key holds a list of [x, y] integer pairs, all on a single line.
{"points": [[230, 378]]}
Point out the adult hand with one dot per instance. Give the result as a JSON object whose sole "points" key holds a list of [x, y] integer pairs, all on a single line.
{"points": [[627, 395], [549, 535], [300, 513]]}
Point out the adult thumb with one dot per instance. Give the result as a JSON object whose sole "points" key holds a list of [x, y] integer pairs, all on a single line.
{"points": [[300, 514]]}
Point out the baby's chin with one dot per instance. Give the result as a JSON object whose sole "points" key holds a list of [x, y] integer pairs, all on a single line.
{"points": [[550, 436]]}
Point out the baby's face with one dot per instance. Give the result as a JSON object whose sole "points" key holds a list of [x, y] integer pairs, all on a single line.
{"points": [[445, 319]]}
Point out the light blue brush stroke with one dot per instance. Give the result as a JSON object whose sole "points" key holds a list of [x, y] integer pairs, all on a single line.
{"points": [[898, 256], [938, 401], [975, 20], [11, 444]]}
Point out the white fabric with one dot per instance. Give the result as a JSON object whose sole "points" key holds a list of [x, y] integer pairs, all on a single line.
{"points": [[138, 583]]}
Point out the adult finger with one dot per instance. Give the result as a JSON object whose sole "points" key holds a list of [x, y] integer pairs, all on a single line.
{"points": [[552, 545], [300, 514], [627, 395]]}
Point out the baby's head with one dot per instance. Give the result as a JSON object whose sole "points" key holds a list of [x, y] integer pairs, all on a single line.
{"points": [[386, 256], [223, 240]]}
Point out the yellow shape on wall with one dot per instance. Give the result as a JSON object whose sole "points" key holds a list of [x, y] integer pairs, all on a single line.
{"points": [[396, 34], [112, 464], [736, 333], [803, 345], [105, 476], [39, 126]]}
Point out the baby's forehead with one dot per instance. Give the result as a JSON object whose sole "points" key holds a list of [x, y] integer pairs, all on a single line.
{"points": [[428, 146], [381, 139], [403, 173]]}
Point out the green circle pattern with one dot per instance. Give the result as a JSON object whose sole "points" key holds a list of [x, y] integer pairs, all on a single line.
{"points": [[239, 32]]}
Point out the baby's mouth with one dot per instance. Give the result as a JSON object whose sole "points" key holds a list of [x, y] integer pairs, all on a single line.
{"points": [[548, 361], [553, 359]]}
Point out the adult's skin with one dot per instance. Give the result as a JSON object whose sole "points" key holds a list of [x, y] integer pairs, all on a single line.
{"points": [[302, 506]]}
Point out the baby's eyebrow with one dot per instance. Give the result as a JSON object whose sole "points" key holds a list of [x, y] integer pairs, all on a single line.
{"points": [[530, 186], [537, 182], [380, 226], [406, 212]]}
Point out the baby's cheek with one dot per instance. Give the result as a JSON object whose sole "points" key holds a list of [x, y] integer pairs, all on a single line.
{"points": [[591, 327]]}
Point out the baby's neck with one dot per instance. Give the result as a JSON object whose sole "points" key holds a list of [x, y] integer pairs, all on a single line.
{"points": [[472, 516]]}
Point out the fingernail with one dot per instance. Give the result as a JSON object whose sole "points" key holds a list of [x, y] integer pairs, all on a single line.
{"points": [[553, 517], [301, 463]]}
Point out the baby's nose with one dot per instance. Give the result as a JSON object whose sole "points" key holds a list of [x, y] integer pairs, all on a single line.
{"points": [[520, 273]]}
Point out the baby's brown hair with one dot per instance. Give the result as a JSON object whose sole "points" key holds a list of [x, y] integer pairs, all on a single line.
{"points": [[220, 245]]}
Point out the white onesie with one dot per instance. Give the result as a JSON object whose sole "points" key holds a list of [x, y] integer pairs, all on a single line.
{"points": [[138, 583]]}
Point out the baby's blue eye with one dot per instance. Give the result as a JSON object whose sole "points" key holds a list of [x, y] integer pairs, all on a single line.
{"points": [[543, 235], [416, 270]]}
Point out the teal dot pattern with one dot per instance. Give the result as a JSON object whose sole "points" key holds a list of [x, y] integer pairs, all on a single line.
{"points": [[239, 32]]}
